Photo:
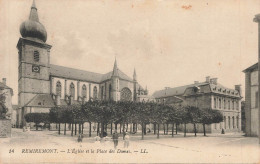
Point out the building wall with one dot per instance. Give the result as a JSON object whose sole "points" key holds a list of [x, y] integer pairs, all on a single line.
{"points": [[251, 106]]}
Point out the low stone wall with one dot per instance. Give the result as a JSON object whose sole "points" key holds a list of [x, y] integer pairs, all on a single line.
{"points": [[5, 128]]}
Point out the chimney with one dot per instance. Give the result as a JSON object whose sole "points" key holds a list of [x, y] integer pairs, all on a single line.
{"points": [[196, 82], [4, 81], [238, 88], [207, 79], [57, 100], [214, 81]]}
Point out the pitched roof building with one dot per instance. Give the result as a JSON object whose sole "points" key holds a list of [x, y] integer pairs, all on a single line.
{"points": [[208, 94]]}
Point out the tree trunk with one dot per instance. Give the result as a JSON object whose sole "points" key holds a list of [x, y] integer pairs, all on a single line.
{"points": [[158, 133], [154, 128], [89, 129], [123, 131], [105, 128], [59, 128], [131, 128], [72, 129], [36, 126], [98, 129], [82, 128], [195, 129], [142, 131], [185, 130], [120, 127], [176, 128], [144, 128], [102, 130], [116, 126], [75, 128], [65, 129], [204, 129], [111, 130], [70, 126], [164, 129], [172, 130], [167, 128], [79, 128]]}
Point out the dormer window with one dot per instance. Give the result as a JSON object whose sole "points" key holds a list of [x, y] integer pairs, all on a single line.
{"points": [[36, 56]]}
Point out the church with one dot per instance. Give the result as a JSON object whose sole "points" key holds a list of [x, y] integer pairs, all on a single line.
{"points": [[42, 85]]}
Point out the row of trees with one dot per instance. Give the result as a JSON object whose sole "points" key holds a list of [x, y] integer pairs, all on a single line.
{"points": [[124, 113]]}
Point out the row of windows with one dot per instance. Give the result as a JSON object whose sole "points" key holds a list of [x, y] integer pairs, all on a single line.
{"points": [[229, 126], [72, 90], [226, 104]]}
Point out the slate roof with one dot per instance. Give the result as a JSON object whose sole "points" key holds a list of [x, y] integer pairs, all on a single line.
{"points": [[71, 73], [179, 91], [174, 91], [3, 86], [251, 68], [41, 100]]}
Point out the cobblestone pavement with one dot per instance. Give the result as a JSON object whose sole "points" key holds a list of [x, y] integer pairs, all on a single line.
{"points": [[48, 146]]}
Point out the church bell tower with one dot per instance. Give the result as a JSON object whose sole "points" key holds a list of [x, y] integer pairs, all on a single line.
{"points": [[34, 60]]}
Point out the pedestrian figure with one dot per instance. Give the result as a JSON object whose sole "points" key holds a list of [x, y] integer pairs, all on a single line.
{"points": [[80, 138], [115, 138], [126, 141]]}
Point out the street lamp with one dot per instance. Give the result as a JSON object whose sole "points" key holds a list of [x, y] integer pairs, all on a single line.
{"points": [[257, 19]]}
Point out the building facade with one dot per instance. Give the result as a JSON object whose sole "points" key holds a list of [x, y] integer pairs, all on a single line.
{"points": [[43, 85], [8, 93], [209, 94], [6, 119], [251, 97]]}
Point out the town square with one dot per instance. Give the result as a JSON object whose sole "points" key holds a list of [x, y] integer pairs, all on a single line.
{"points": [[129, 81]]}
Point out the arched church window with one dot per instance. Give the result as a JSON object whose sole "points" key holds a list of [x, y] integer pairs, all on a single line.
{"points": [[58, 88], [126, 94], [72, 90], [95, 93], [36, 56], [84, 91], [110, 92]]}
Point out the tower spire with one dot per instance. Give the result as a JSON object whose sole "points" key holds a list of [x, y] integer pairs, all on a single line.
{"points": [[33, 13], [115, 69]]}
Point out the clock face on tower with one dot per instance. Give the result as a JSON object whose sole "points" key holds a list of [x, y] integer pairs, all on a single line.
{"points": [[36, 68]]}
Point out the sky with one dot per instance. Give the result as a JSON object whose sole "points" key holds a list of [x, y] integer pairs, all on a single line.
{"points": [[170, 43]]}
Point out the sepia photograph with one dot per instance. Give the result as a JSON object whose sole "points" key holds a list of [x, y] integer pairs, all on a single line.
{"points": [[129, 81]]}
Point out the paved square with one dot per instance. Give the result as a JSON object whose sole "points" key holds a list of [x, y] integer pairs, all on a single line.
{"points": [[48, 146]]}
